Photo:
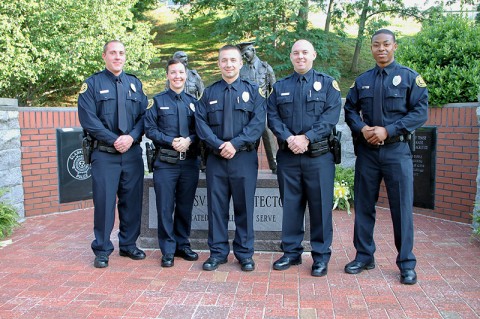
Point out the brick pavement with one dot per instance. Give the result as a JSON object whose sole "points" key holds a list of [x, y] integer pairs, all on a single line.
{"points": [[48, 273]]}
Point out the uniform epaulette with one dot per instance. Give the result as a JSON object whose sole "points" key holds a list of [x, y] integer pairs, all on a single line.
{"points": [[190, 95], [129, 74], [161, 93], [249, 81], [194, 72]]}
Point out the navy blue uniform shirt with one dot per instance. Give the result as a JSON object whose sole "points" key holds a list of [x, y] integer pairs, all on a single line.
{"points": [[405, 100], [98, 111], [320, 110], [248, 114], [161, 120]]}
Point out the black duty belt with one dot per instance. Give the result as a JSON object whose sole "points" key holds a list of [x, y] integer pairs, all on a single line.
{"points": [[245, 148], [169, 155], [389, 140], [103, 147], [314, 149]]}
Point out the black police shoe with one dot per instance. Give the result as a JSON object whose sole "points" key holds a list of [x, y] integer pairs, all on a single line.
{"points": [[186, 253], [408, 277], [101, 261], [134, 253], [247, 264], [319, 269], [285, 262], [356, 267], [167, 260], [212, 263]]}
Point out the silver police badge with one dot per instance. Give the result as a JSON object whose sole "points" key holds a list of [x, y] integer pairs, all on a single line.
{"points": [[132, 86], [192, 107], [396, 80], [245, 96], [317, 86]]}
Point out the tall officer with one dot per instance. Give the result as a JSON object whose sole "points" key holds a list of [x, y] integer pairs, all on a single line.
{"points": [[170, 124], [383, 107], [302, 111], [111, 107], [260, 72], [231, 119]]}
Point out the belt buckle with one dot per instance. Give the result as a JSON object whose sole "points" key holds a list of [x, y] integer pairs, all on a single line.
{"points": [[182, 156], [382, 143]]}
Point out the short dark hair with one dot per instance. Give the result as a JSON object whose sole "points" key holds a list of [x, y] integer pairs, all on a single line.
{"points": [[111, 41], [384, 31], [171, 62], [230, 47]]}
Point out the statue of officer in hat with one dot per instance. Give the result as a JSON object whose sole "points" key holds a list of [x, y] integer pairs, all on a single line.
{"points": [[261, 73]]}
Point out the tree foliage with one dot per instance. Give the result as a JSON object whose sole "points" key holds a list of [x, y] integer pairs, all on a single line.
{"points": [[49, 47], [369, 16], [274, 25], [446, 52]]}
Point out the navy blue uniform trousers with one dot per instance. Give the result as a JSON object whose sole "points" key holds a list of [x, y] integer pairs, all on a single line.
{"points": [[303, 179], [393, 163], [235, 178], [117, 175], [175, 186]]}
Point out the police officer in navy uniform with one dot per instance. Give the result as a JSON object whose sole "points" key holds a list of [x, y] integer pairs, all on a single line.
{"points": [[230, 119], [302, 111], [170, 124], [111, 107], [383, 107]]}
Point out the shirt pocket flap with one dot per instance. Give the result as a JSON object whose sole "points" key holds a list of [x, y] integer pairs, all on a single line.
{"points": [[283, 99], [316, 97]]}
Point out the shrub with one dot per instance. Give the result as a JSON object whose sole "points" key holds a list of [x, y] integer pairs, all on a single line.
{"points": [[446, 52], [8, 217], [343, 188]]}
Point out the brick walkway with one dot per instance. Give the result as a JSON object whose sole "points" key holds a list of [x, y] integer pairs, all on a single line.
{"points": [[47, 273]]}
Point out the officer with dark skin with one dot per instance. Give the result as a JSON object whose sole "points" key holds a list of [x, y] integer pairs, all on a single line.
{"points": [[302, 111], [230, 119], [383, 107], [194, 84], [111, 108], [260, 72], [170, 124]]}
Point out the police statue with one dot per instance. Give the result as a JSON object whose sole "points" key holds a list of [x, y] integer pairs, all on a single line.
{"points": [[261, 73]]}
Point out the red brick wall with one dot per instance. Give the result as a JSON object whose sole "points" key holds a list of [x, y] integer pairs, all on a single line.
{"points": [[39, 158], [456, 165]]}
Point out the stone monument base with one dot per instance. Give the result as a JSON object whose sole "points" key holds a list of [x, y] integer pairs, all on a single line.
{"points": [[267, 216]]}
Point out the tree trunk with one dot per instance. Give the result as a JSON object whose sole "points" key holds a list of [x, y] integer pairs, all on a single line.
{"points": [[302, 21], [329, 16], [361, 30]]}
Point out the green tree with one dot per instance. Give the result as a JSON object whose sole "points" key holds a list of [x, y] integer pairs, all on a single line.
{"points": [[369, 16], [274, 24], [49, 47], [446, 52]]}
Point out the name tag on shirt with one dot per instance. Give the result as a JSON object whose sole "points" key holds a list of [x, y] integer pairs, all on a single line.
{"points": [[164, 108], [213, 102], [285, 94], [104, 91], [365, 87]]}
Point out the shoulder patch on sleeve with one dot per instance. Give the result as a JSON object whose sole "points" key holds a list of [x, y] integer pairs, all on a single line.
{"points": [[84, 88], [150, 104], [262, 94], [353, 85], [335, 85], [420, 82]]}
